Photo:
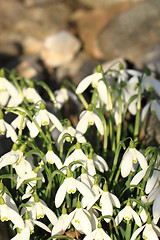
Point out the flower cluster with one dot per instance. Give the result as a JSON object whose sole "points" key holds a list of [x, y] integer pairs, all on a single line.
{"points": [[90, 180]]}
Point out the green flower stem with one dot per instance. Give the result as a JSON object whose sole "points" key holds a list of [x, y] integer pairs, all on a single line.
{"points": [[128, 231], [111, 128], [50, 93], [119, 129], [13, 78], [138, 115], [115, 162]]}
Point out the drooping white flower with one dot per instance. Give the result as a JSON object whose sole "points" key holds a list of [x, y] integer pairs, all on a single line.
{"points": [[32, 95], [76, 155], [130, 160], [154, 106], [60, 227], [128, 213], [52, 158], [107, 201], [150, 83], [70, 185], [97, 234], [42, 118], [7, 90], [9, 214], [29, 175], [62, 95], [37, 209], [150, 231], [80, 219], [7, 129], [15, 156], [89, 117], [96, 80]]}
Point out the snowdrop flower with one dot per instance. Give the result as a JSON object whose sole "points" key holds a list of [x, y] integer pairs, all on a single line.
{"points": [[154, 106], [95, 162], [76, 155], [80, 219], [130, 159], [98, 234], [7, 90], [52, 158], [7, 213], [17, 121], [32, 95], [129, 90], [59, 226], [150, 231], [62, 95], [89, 117], [14, 158], [38, 209], [154, 197], [150, 83], [107, 200], [96, 80], [42, 118], [68, 129], [32, 174], [88, 181], [7, 129], [70, 185], [128, 213]]}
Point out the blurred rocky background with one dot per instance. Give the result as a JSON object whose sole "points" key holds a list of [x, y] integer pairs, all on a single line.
{"points": [[54, 40]]}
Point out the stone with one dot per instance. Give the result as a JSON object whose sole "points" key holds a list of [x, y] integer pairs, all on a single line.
{"points": [[60, 48], [132, 33], [32, 45], [91, 22], [151, 59], [103, 3], [29, 68]]}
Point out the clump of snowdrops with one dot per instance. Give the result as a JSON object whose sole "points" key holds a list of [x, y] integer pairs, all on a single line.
{"points": [[94, 180]]}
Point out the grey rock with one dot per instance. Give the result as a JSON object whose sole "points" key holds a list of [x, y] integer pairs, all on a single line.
{"points": [[132, 33]]}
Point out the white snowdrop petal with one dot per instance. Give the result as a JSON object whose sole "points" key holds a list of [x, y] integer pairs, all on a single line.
{"points": [[11, 132], [60, 195], [145, 110], [141, 159], [84, 190], [82, 124], [149, 233], [115, 201], [156, 208], [136, 218], [55, 121], [151, 182], [119, 217], [138, 177], [49, 213], [102, 90], [83, 85], [136, 233], [126, 164], [98, 124]]}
